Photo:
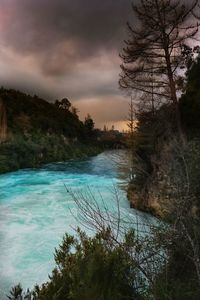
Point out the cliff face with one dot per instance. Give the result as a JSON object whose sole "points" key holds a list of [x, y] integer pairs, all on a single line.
{"points": [[173, 183], [3, 122]]}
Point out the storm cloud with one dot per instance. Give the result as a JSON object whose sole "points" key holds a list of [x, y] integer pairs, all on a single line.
{"points": [[58, 48]]}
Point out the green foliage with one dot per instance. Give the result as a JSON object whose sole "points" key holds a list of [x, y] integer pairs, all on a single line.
{"points": [[168, 181], [177, 280], [32, 151], [95, 270], [152, 131], [104, 268], [17, 293], [90, 268], [40, 132], [29, 114]]}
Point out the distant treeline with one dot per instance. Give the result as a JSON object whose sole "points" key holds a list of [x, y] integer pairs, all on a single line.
{"points": [[34, 131]]}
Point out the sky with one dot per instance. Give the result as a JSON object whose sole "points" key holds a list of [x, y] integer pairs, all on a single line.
{"points": [[67, 48]]}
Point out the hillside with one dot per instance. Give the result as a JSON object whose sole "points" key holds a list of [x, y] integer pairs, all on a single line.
{"points": [[34, 131]]}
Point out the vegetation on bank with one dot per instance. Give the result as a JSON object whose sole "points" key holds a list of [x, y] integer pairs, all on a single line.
{"points": [[99, 268], [164, 262], [31, 152], [160, 161], [165, 146], [34, 132]]}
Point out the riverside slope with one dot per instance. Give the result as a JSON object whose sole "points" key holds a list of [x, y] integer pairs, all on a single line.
{"points": [[36, 211]]}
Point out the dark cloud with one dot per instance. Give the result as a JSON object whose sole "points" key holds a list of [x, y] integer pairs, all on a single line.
{"points": [[63, 32], [58, 48], [110, 112]]}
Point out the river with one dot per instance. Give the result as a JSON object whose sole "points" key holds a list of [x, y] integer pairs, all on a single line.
{"points": [[36, 210]]}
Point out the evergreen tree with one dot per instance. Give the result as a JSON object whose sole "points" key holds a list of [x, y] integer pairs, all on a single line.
{"points": [[155, 47], [190, 100]]}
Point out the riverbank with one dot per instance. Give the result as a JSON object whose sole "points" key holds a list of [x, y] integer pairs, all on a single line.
{"points": [[174, 177], [32, 152], [36, 211], [34, 132]]}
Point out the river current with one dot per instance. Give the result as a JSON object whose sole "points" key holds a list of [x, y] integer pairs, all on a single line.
{"points": [[36, 210]]}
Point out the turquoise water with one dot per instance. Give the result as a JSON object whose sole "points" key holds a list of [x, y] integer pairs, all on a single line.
{"points": [[36, 210]]}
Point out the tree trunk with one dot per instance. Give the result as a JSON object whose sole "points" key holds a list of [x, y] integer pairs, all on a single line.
{"points": [[174, 99]]}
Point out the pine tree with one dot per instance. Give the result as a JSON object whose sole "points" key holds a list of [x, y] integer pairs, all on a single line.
{"points": [[156, 46]]}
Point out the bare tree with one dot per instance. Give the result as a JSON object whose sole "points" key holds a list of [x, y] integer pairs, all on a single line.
{"points": [[131, 121], [156, 46], [96, 215]]}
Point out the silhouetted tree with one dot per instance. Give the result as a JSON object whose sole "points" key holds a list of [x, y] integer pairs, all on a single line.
{"points": [[155, 46], [105, 128], [64, 104], [74, 111], [190, 100], [89, 123]]}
